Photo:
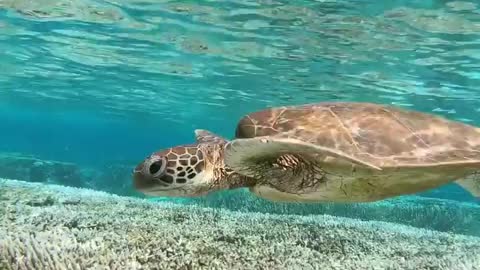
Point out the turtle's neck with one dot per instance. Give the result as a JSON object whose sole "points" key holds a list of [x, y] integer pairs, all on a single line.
{"points": [[227, 179], [223, 176]]}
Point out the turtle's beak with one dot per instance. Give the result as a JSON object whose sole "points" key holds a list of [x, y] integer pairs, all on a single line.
{"points": [[144, 182]]}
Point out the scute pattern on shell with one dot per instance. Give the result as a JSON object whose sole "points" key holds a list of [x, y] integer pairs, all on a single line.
{"points": [[380, 134]]}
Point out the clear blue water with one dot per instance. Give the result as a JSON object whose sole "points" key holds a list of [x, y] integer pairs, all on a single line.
{"points": [[101, 84]]}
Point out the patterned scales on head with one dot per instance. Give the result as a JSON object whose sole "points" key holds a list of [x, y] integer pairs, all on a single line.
{"points": [[177, 171], [352, 152], [183, 163]]}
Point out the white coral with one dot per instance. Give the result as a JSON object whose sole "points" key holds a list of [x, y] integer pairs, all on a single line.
{"points": [[102, 231]]}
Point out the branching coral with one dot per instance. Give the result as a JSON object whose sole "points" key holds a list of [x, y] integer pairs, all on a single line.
{"points": [[83, 229], [431, 213]]}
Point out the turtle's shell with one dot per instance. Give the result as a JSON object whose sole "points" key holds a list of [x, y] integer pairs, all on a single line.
{"points": [[385, 136]]}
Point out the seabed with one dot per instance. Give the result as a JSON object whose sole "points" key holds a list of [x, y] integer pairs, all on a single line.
{"points": [[56, 227]]}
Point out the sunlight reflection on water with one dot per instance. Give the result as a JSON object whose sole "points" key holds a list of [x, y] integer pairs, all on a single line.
{"points": [[213, 56]]}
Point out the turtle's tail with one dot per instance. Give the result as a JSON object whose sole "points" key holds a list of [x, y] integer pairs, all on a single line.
{"points": [[471, 184]]}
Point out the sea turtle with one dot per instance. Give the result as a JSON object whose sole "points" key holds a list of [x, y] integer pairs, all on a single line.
{"points": [[329, 151]]}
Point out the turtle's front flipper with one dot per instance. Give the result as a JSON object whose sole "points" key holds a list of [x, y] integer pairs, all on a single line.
{"points": [[291, 173], [249, 156], [471, 183]]}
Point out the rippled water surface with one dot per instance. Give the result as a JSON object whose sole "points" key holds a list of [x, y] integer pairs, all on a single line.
{"points": [[161, 68]]}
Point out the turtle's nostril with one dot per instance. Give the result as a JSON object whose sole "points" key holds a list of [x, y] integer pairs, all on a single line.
{"points": [[139, 167], [155, 167]]}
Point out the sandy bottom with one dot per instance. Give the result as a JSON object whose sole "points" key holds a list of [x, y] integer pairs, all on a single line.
{"points": [[54, 227]]}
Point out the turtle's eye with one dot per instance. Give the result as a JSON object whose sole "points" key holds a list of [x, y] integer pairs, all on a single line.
{"points": [[157, 167]]}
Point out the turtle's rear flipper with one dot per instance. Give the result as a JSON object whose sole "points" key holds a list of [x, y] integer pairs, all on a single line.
{"points": [[244, 155], [471, 184]]}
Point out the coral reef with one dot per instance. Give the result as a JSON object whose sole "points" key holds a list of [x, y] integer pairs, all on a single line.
{"points": [[113, 178], [33, 169], [418, 211], [54, 227]]}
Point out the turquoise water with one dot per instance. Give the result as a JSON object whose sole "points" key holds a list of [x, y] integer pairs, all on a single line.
{"points": [[89, 88]]}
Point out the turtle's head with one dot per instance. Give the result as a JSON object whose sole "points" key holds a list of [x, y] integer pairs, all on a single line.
{"points": [[179, 171]]}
